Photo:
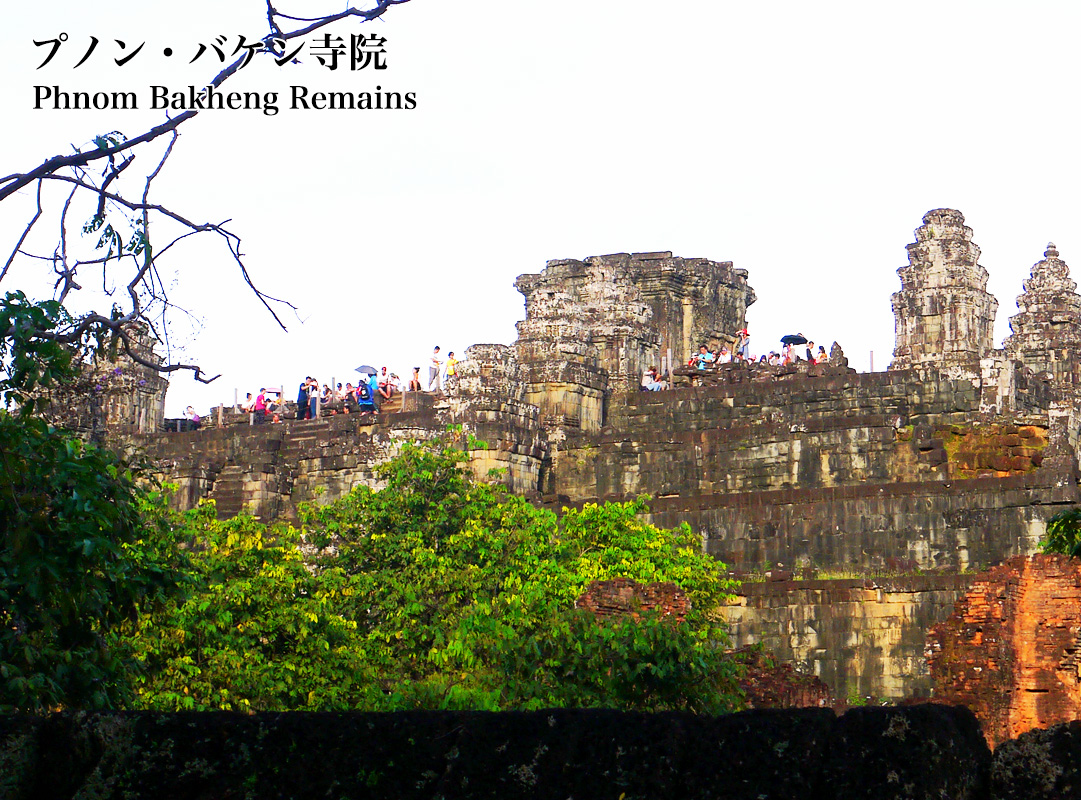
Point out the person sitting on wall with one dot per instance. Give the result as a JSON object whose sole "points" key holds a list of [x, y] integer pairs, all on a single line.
{"points": [[652, 383], [822, 356], [414, 382], [349, 403], [365, 399], [704, 357], [194, 420], [386, 387], [724, 357]]}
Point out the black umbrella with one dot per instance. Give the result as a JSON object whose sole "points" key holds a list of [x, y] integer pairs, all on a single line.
{"points": [[366, 370], [794, 338]]}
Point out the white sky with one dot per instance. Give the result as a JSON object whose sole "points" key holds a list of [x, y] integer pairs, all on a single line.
{"points": [[803, 141]]}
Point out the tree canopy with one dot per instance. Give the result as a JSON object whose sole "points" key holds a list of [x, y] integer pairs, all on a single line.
{"points": [[436, 591]]}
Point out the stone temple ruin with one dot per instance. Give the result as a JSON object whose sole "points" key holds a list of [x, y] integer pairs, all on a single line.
{"points": [[952, 460]]}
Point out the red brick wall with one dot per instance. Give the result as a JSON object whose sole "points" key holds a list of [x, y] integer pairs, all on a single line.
{"points": [[625, 597], [1009, 651]]}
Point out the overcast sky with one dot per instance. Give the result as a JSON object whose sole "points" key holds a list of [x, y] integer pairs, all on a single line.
{"points": [[803, 141]]}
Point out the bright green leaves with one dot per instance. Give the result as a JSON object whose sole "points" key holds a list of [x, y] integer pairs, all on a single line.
{"points": [[434, 592]]}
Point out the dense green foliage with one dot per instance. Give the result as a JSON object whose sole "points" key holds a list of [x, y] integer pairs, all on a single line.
{"points": [[1063, 534], [74, 555], [435, 591], [74, 560]]}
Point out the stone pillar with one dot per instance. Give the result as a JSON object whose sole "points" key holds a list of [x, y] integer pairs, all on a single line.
{"points": [[1046, 334], [944, 314]]}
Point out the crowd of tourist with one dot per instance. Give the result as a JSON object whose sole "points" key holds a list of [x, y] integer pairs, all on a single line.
{"points": [[797, 348], [372, 389]]}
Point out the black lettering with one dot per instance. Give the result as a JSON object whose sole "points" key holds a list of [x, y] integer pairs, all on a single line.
{"points": [[159, 95], [395, 97], [122, 100], [299, 95], [410, 99], [42, 93], [342, 100]]}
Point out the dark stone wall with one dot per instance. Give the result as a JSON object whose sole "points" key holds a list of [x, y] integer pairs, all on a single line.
{"points": [[941, 525], [914, 752], [834, 469]]}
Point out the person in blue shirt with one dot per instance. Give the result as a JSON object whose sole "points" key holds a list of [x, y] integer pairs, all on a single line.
{"points": [[703, 358]]}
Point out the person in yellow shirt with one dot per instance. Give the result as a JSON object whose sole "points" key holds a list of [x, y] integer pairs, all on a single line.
{"points": [[452, 365]]}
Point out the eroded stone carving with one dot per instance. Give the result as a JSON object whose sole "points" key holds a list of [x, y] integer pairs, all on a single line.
{"points": [[1046, 334], [944, 314]]}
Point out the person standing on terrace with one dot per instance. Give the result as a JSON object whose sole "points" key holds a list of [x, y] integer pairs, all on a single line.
{"points": [[435, 367]]}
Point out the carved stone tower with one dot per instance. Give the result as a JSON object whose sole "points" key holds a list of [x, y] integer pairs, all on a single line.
{"points": [[944, 314], [1047, 330]]}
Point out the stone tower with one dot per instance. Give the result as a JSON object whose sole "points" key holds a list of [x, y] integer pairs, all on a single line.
{"points": [[944, 314], [110, 397], [1047, 330]]}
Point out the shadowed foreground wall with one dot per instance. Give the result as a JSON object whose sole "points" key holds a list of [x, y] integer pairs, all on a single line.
{"points": [[919, 751]]}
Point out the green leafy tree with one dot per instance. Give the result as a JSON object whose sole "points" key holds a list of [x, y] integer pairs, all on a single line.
{"points": [[256, 630], [434, 591], [75, 558], [74, 562], [1063, 534]]}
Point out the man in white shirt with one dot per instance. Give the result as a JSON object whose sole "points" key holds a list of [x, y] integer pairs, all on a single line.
{"points": [[435, 368]]}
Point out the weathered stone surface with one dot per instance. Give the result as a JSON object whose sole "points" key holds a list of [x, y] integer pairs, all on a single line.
{"points": [[1046, 334], [769, 683], [914, 752], [110, 399], [1009, 649], [944, 314], [862, 637], [623, 597], [952, 460]]}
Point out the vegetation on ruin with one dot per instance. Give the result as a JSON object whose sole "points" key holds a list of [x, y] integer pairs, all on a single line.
{"points": [[437, 591], [1063, 533]]}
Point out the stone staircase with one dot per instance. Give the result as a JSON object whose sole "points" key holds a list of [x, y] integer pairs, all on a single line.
{"points": [[258, 485]]}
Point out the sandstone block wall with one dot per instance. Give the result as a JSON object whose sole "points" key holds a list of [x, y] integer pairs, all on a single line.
{"points": [[860, 637]]}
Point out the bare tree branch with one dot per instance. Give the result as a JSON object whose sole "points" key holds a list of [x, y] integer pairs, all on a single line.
{"points": [[145, 289], [26, 232]]}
